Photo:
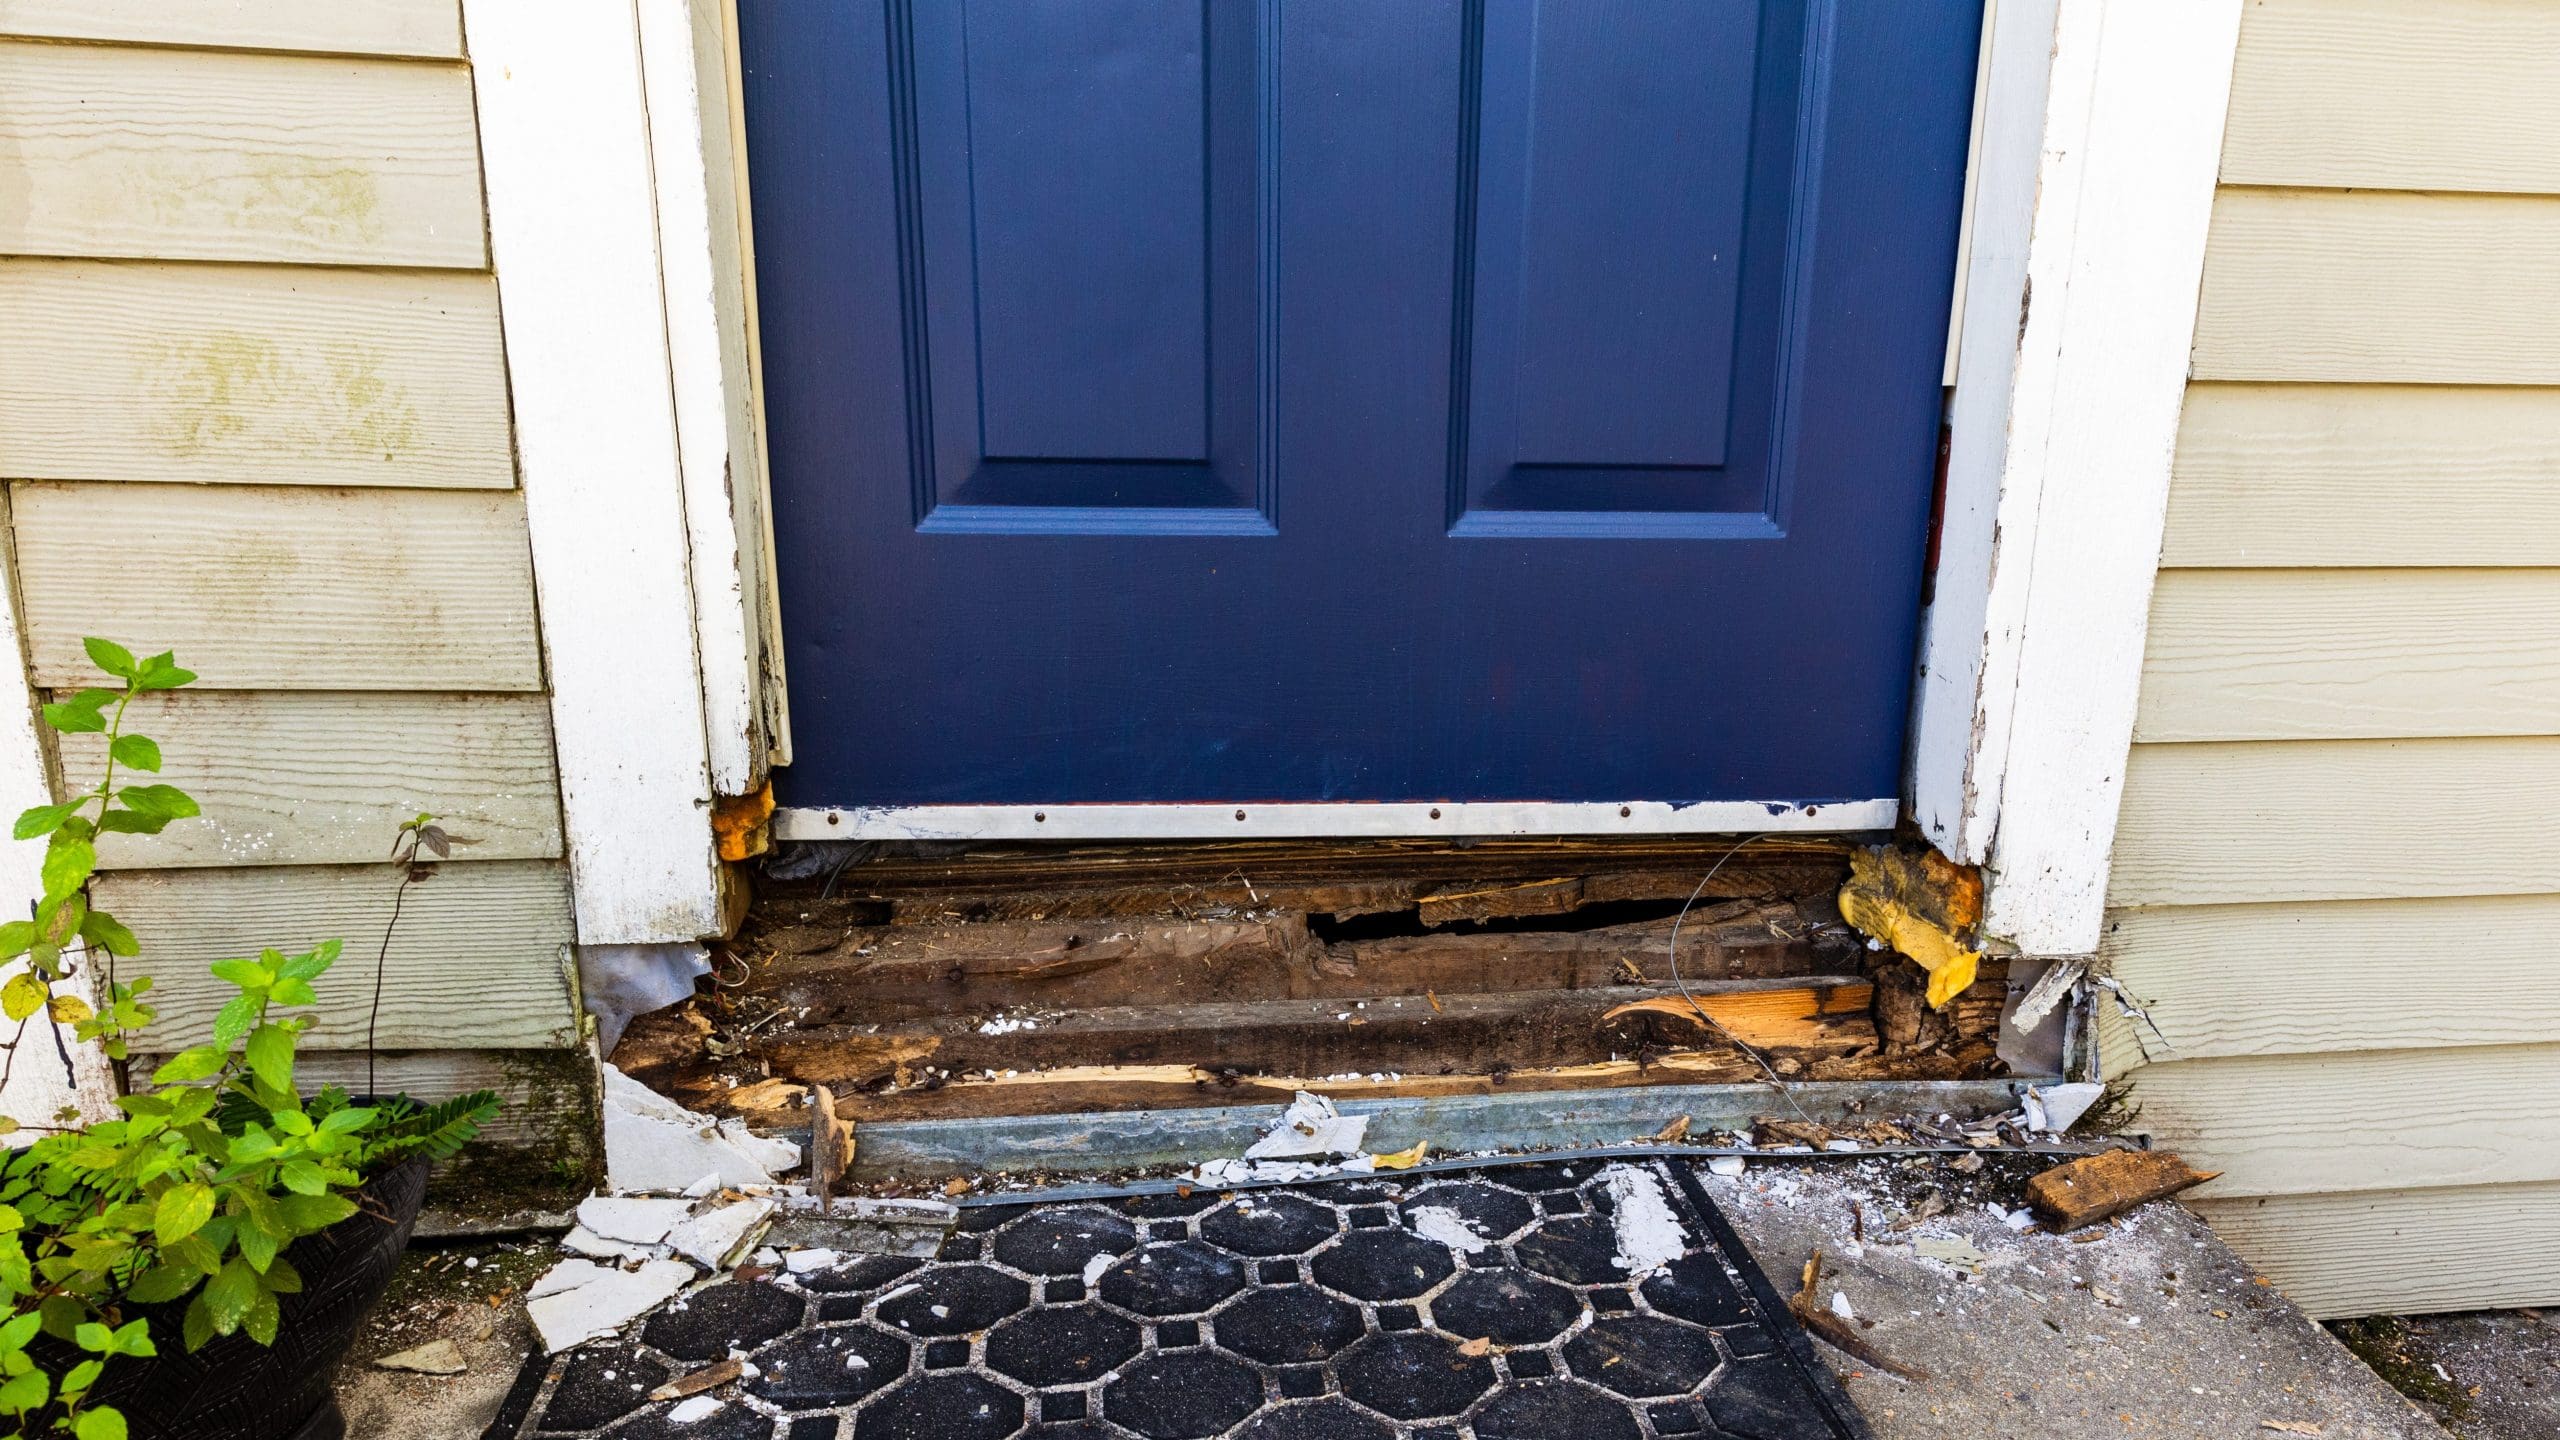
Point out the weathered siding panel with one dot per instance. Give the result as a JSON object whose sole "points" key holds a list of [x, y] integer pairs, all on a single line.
{"points": [[550, 1097], [425, 28], [2338, 820], [2373, 1251], [243, 258], [119, 150], [2320, 475], [2381, 288], [2294, 979], [2385, 94], [284, 588], [479, 960], [2332, 654], [274, 375], [2341, 933], [296, 779], [2397, 1119]]}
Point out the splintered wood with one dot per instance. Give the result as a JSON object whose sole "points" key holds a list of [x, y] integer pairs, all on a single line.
{"points": [[1023, 980], [2103, 1186]]}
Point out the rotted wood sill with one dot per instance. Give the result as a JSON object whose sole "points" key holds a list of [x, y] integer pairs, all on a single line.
{"points": [[1021, 981]]}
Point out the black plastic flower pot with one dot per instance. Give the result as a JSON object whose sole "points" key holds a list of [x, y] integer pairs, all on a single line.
{"points": [[237, 1389]]}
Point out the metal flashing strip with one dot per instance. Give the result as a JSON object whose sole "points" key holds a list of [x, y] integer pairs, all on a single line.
{"points": [[1322, 821], [1454, 1124]]}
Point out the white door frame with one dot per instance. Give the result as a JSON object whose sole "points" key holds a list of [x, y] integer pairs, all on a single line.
{"points": [[2094, 191], [624, 272]]}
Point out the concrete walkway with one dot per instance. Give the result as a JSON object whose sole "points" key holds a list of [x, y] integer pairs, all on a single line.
{"points": [[2150, 1328]]}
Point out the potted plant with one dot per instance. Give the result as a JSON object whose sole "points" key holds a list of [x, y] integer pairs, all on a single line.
{"points": [[198, 1265]]}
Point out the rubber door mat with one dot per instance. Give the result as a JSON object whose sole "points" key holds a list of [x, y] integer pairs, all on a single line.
{"points": [[1494, 1303]]}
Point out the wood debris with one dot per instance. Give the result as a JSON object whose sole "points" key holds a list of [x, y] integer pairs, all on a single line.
{"points": [[707, 1378], [1819, 1320], [2100, 1187]]}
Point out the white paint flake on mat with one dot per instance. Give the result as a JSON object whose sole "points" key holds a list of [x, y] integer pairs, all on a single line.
{"points": [[1094, 1268], [1439, 1222], [1311, 1126], [1650, 1235], [579, 1301]]}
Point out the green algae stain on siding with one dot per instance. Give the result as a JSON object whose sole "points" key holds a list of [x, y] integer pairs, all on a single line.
{"points": [[231, 390]]}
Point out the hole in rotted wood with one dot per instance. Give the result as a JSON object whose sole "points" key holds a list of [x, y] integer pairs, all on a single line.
{"points": [[1029, 980], [1390, 924]]}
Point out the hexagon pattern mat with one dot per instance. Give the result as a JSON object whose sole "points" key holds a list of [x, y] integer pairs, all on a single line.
{"points": [[1341, 1310]]}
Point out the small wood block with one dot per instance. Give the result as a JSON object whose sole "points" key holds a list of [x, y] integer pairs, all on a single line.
{"points": [[2103, 1186], [830, 1144]]}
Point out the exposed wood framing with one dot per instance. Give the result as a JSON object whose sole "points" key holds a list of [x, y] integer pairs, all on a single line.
{"points": [[1039, 981]]}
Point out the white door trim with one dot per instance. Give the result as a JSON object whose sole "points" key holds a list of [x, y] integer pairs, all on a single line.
{"points": [[2102, 142], [685, 61], [573, 230]]}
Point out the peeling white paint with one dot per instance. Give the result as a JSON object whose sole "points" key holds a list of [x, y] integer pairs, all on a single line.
{"points": [[1650, 1235], [1439, 1222]]}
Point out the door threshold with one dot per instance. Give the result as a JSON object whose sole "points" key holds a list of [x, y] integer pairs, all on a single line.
{"points": [[1111, 1142], [1330, 820]]}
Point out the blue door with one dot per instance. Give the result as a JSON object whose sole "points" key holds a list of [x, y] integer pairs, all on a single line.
{"points": [[1353, 400]]}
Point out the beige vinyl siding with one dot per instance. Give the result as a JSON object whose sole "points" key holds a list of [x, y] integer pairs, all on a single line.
{"points": [[2365, 475], [164, 154], [300, 778], [252, 374], [2209, 824], [289, 588], [2261, 979], [2333, 654], [254, 407], [2342, 1251], [424, 28], [2337, 869], [2390, 95], [480, 959]]}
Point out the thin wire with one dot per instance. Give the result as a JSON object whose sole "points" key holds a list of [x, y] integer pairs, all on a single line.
{"points": [[1710, 1021]]}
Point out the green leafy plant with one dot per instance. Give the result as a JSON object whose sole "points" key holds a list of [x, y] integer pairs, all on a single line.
{"points": [[205, 1178], [64, 923]]}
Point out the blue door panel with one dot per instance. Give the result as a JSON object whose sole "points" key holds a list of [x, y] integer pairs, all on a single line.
{"points": [[1254, 400], [1083, 188]]}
